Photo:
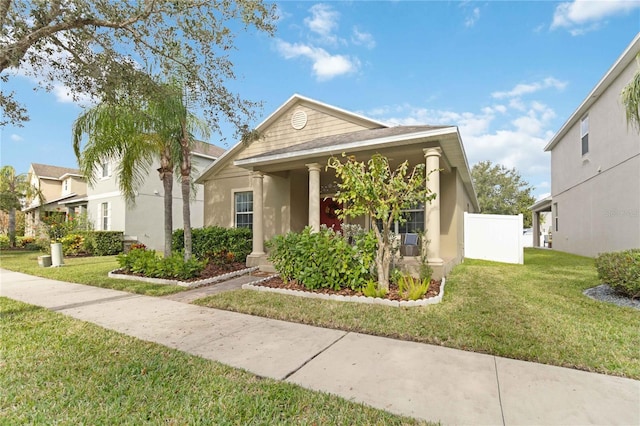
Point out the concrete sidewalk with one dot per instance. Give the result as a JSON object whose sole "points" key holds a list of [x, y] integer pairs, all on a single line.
{"points": [[418, 380]]}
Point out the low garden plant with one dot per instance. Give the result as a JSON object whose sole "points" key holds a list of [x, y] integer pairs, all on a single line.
{"points": [[148, 263], [413, 288], [621, 271], [216, 242]]}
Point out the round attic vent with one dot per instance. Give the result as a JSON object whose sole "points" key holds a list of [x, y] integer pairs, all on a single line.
{"points": [[299, 119]]}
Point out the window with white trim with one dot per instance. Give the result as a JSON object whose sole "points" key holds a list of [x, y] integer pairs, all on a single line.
{"points": [[414, 221], [243, 202], [105, 170], [555, 217], [584, 134], [104, 218]]}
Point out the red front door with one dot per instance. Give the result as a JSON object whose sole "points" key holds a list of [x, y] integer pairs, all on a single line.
{"points": [[328, 215]]}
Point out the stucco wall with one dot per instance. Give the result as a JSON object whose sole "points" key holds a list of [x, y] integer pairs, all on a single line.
{"points": [[598, 195], [601, 214]]}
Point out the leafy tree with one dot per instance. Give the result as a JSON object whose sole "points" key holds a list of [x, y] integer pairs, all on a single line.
{"points": [[99, 47], [374, 190], [631, 98], [136, 131], [13, 189], [502, 191]]}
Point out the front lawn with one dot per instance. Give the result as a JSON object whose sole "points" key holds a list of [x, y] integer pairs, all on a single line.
{"points": [[533, 312], [58, 370], [83, 270]]}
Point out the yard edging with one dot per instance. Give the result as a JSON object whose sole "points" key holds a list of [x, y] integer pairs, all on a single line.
{"points": [[353, 299], [192, 284]]}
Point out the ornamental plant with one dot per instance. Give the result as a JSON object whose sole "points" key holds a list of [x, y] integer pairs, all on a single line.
{"points": [[621, 271], [373, 189]]}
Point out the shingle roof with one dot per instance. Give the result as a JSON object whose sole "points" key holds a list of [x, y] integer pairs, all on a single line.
{"points": [[353, 137], [200, 147], [45, 170]]}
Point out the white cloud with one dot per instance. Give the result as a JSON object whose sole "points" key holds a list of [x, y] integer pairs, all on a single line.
{"points": [[362, 39], [528, 88], [325, 65], [472, 18], [323, 22], [581, 16], [16, 138]]}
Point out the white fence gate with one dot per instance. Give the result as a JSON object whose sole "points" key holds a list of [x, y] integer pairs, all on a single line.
{"points": [[493, 237]]}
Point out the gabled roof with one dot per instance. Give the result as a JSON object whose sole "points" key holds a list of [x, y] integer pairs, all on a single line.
{"points": [[45, 171], [345, 141], [623, 61], [205, 149], [275, 116]]}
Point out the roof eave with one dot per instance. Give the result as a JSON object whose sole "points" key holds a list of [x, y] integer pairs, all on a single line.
{"points": [[621, 63]]}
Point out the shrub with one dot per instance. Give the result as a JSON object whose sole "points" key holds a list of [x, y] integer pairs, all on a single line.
{"points": [[106, 243], [371, 290], [73, 245], [28, 243], [621, 271], [323, 259], [216, 242], [4, 242], [412, 288], [149, 264]]}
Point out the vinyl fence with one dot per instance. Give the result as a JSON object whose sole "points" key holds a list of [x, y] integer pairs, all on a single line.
{"points": [[493, 237]]}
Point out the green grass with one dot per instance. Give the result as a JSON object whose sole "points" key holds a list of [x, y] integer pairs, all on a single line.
{"points": [[84, 270], [57, 370], [533, 312]]}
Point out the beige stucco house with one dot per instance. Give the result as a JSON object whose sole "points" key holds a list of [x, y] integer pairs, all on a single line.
{"points": [[63, 191], [279, 183], [595, 169]]}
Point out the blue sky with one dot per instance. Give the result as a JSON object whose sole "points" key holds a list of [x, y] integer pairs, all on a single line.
{"points": [[507, 73]]}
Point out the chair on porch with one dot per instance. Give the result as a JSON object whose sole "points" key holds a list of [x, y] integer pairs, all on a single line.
{"points": [[409, 245]]}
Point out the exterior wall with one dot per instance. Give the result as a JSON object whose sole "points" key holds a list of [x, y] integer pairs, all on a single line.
{"points": [[51, 189], [144, 221], [598, 194], [218, 198], [448, 219], [281, 135], [299, 197], [601, 214]]}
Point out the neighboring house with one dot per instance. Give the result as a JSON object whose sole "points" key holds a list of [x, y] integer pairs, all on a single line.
{"points": [[66, 193], [279, 182], [144, 221], [63, 192], [595, 170]]}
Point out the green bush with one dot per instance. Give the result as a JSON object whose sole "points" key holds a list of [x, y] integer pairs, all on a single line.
{"points": [[216, 242], [27, 243], [106, 243], [73, 245], [621, 271], [324, 259], [150, 264], [4, 242]]}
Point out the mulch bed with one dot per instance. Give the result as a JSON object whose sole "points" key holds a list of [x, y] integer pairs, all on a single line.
{"points": [[210, 271], [392, 294]]}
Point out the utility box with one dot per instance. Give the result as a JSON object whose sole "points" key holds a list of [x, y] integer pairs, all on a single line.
{"points": [[44, 261]]}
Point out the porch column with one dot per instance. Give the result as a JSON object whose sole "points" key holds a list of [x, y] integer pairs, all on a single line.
{"points": [[536, 228], [258, 229], [314, 196], [432, 209]]}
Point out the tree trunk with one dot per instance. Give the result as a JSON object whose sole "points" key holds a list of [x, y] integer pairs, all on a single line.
{"points": [[12, 227], [185, 171], [166, 175]]}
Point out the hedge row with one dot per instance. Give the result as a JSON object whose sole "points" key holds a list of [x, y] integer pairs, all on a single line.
{"points": [[214, 241]]}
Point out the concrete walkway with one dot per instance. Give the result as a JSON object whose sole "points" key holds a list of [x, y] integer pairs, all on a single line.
{"points": [[418, 380]]}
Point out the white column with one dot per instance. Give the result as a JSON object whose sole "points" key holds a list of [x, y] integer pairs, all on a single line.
{"points": [[432, 209], [536, 229], [258, 229], [314, 196]]}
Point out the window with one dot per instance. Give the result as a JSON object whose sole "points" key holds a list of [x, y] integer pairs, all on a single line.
{"points": [[105, 170], [105, 217], [584, 134], [414, 221], [555, 216], [244, 209], [66, 186]]}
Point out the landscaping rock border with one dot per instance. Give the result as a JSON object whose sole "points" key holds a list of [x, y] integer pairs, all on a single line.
{"points": [[189, 284], [354, 299], [604, 293]]}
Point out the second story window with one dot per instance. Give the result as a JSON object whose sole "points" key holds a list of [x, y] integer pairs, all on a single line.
{"points": [[65, 186], [105, 170], [584, 134]]}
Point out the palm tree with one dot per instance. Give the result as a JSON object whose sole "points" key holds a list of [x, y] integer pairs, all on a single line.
{"points": [[137, 131], [13, 189], [631, 98]]}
